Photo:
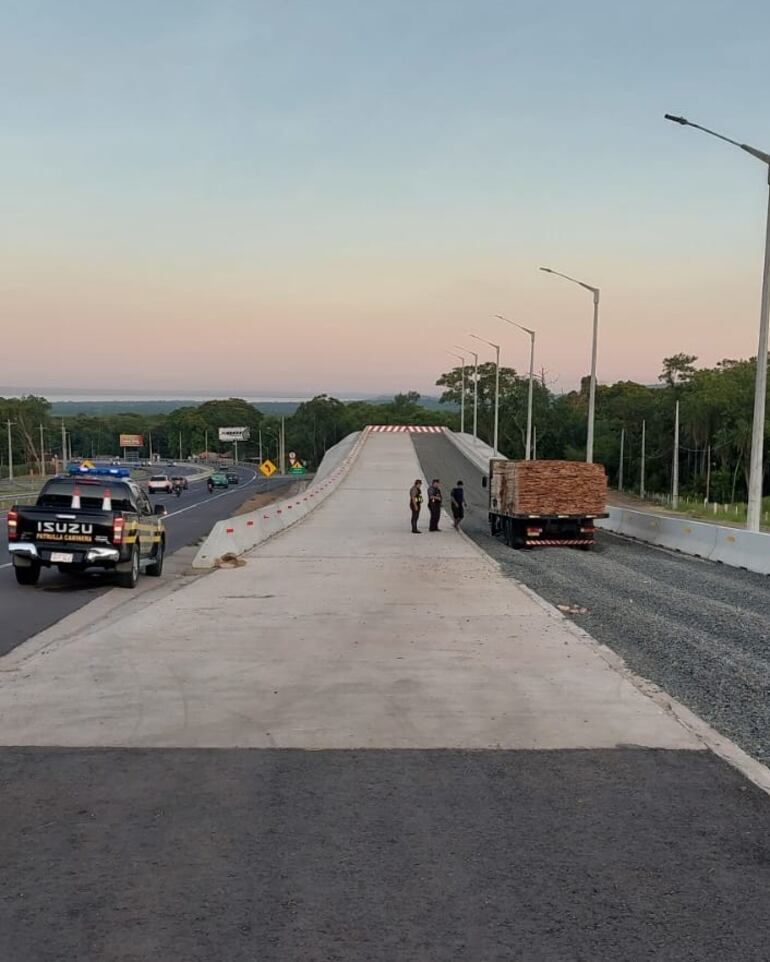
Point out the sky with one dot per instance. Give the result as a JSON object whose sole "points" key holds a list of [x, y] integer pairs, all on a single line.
{"points": [[302, 196]]}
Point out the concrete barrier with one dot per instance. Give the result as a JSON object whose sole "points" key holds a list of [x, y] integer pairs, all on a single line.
{"points": [[731, 546], [476, 451], [244, 532]]}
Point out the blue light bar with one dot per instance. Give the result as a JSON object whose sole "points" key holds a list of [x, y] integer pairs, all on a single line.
{"points": [[99, 472]]}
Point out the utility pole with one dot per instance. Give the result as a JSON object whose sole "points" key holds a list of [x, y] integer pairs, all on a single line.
{"points": [[260, 445], [644, 451], [675, 472], [236, 451], [180, 445], [620, 467], [10, 451], [282, 447], [708, 474], [63, 444], [206, 444], [42, 452], [534, 442]]}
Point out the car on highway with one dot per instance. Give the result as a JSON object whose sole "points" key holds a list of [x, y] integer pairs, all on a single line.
{"points": [[219, 480], [93, 521], [181, 480], [160, 484], [233, 477]]}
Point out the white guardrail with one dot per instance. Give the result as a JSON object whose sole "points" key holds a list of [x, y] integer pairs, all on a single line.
{"points": [[244, 532], [714, 542]]}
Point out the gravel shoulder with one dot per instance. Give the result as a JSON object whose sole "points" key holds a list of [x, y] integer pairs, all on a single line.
{"points": [[699, 630]]}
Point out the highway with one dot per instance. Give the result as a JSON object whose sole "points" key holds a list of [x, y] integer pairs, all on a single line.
{"points": [[26, 611], [698, 629]]}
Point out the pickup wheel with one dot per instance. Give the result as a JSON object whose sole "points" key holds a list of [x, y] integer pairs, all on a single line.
{"points": [[155, 568], [28, 575], [129, 578]]}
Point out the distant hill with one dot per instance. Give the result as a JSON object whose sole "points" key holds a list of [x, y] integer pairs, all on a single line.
{"points": [[129, 406]]}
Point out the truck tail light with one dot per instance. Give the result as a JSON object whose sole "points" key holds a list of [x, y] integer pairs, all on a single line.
{"points": [[587, 529], [117, 530], [13, 525], [534, 532]]}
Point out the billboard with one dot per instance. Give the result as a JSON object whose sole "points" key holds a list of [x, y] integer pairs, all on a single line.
{"points": [[132, 440], [234, 434]]}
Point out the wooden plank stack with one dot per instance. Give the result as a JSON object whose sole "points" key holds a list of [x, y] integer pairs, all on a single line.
{"points": [[549, 487]]}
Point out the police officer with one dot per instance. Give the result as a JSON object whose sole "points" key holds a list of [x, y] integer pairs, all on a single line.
{"points": [[435, 497], [415, 504], [458, 503]]}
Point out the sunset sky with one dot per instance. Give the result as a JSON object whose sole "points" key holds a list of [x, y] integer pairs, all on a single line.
{"points": [[306, 196]]}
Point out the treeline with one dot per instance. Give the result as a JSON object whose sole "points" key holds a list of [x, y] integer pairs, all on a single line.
{"points": [[716, 410], [314, 427]]}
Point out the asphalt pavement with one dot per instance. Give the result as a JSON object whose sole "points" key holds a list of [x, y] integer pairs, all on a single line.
{"points": [[699, 630], [622, 855], [25, 611]]}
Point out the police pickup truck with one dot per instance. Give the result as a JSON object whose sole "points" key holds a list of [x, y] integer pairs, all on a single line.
{"points": [[97, 519]]}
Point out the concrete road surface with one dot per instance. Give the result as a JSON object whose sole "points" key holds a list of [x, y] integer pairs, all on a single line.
{"points": [[362, 745]]}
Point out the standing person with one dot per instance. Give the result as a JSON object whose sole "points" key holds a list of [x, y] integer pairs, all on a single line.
{"points": [[458, 503], [415, 504], [435, 497]]}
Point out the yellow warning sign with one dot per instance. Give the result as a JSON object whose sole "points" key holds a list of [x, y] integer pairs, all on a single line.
{"points": [[267, 468]]}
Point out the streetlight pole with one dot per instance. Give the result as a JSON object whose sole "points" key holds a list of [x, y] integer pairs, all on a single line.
{"points": [[756, 470], [620, 466], [528, 446], [497, 387], [42, 452], [462, 389], [644, 456], [475, 357], [10, 450], [594, 351], [675, 471]]}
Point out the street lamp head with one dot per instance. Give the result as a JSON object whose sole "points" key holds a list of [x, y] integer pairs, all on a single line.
{"points": [[677, 120], [546, 269]]}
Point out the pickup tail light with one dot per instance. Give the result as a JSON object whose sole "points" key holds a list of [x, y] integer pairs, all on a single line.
{"points": [[13, 525], [587, 529], [118, 525], [534, 532]]}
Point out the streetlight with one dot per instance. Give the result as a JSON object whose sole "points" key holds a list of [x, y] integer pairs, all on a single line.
{"points": [[462, 390], [497, 385], [592, 386], [527, 455], [475, 357], [756, 470]]}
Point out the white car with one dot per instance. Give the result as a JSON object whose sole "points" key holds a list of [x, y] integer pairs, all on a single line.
{"points": [[160, 483]]}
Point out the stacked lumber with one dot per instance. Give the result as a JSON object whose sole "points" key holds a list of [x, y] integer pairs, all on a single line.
{"points": [[549, 487]]}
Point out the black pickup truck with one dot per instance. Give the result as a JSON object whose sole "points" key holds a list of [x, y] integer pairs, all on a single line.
{"points": [[88, 522]]}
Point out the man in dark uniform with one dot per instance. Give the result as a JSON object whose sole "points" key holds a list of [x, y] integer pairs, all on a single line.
{"points": [[415, 503], [435, 498], [458, 503]]}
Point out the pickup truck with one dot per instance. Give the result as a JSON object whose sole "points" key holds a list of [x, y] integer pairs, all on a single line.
{"points": [[92, 521], [546, 503]]}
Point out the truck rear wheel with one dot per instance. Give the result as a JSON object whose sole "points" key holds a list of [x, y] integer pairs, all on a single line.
{"points": [[130, 577], [155, 568], [27, 575]]}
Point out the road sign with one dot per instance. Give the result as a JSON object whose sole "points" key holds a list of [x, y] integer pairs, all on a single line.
{"points": [[297, 468], [132, 441], [234, 434], [268, 468]]}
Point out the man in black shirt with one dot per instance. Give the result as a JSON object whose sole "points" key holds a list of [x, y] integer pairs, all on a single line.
{"points": [[458, 503], [435, 498], [415, 503]]}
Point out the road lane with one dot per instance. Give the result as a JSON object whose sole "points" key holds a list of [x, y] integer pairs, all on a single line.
{"points": [[26, 611], [698, 629]]}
